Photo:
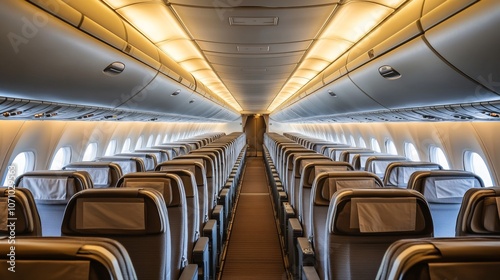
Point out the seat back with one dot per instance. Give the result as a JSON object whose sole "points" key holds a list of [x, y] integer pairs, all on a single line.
{"points": [[149, 159], [444, 190], [324, 187], [161, 155], [441, 258], [398, 173], [198, 169], [349, 155], [296, 174], [62, 258], [24, 212], [361, 225], [103, 174], [137, 218], [211, 177], [128, 164], [170, 185], [378, 164], [479, 214], [308, 171], [52, 189]]}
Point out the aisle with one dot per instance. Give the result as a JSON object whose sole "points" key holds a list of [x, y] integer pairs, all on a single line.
{"points": [[254, 250]]}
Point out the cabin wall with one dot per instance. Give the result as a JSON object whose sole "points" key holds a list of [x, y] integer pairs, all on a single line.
{"points": [[455, 138], [44, 138]]}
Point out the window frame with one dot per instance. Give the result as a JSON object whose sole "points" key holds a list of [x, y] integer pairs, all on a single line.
{"points": [[469, 166], [410, 149], [66, 157], [94, 153], [435, 158]]}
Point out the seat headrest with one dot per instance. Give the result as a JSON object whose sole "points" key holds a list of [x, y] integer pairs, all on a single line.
{"points": [[379, 212], [18, 203], [327, 184], [480, 212], [193, 165], [301, 162], [398, 173], [120, 211], [172, 192], [101, 176], [50, 190]]}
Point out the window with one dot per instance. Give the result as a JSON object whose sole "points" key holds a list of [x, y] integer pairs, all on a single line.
{"points": [[150, 141], [342, 138], [158, 140], [362, 143], [126, 146], [138, 145], [411, 152], [390, 147], [111, 149], [476, 164], [353, 142], [21, 164], [438, 156], [90, 152], [376, 146], [165, 139], [62, 158]]}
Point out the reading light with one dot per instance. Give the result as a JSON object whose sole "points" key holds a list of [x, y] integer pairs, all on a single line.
{"points": [[331, 93], [10, 114], [175, 93]]}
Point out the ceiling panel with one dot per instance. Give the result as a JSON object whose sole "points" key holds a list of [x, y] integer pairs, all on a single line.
{"points": [[254, 62]]}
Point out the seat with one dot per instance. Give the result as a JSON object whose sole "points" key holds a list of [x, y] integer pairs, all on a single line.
{"points": [[61, 258], [444, 190], [377, 164], [362, 223], [127, 163], [149, 159], [172, 189], [137, 218], [398, 173], [161, 155], [52, 189], [441, 258], [479, 213], [23, 213], [103, 174]]}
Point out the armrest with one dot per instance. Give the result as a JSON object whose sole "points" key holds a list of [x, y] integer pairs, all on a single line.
{"points": [[190, 272], [287, 212], [224, 200], [305, 254], [294, 231], [210, 231], [201, 257], [218, 215], [309, 273]]}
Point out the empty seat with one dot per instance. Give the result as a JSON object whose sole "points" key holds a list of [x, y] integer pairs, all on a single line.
{"points": [[161, 155], [103, 174], [149, 159], [444, 190], [361, 225], [398, 173], [52, 190], [18, 206], [61, 258], [137, 218], [441, 258], [128, 164], [170, 185], [377, 164], [479, 214]]}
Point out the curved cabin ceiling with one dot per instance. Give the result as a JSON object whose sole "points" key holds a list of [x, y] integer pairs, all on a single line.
{"points": [[320, 60]]}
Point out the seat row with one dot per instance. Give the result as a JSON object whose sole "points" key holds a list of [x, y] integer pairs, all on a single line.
{"points": [[169, 220], [306, 184]]}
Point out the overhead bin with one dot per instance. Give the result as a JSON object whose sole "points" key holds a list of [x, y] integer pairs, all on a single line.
{"points": [[424, 79], [470, 41], [398, 29], [72, 72]]}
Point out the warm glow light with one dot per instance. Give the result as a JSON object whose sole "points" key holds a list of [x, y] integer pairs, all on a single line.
{"points": [[350, 23], [158, 23], [151, 19]]}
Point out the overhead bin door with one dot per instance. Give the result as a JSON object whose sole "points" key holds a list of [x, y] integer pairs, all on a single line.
{"points": [[470, 41], [425, 79]]}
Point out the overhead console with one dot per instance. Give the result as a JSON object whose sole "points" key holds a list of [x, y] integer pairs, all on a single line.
{"points": [[429, 54], [81, 53]]}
